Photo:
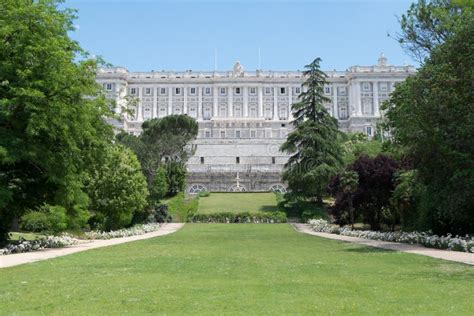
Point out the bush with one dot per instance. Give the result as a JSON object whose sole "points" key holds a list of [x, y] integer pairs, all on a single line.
{"points": [[117, 188], [46, 218], [448, 242], [242, 217], [38, 244], [161, 214], [314, 213], [125, 232], [35, 222], [204, 194]]}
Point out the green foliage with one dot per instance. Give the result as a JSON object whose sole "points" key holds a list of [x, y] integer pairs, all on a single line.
{"points": [[35, 222], [51, 110], [164, 143], [430, 118], [117, 188], [160, 186], [317, 212], [316, 154], [428, 24], [46, 218], [358, 144], [175, 177], [239, 217], [204, 194]]}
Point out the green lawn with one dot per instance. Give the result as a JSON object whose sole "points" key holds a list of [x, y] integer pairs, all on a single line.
{"points": [[238, 269], [26, 236], [237, 202]]}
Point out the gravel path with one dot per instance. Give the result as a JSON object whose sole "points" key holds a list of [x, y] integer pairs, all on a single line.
{"points": [[457, 256], [27, 257]]}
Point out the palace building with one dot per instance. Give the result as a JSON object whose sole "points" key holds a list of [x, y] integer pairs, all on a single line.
{"points": [[244, 116]]}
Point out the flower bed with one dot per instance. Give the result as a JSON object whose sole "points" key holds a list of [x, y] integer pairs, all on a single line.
{"points": [[38, 244], [126, 232], [456, 243], [243, 217]]}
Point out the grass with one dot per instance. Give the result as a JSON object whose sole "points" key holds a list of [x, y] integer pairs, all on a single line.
{"points": [[237, 202], [238, 269], [14, 236], [180, 206]]}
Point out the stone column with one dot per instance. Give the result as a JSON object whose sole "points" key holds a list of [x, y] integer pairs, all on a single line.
{"points": [[245, 91], [275, 103], [260, 101], [185, 99], [334, 101], [358, 99], [216, 101], [375, 91], [170, 100], [230, 94], [290, 102], [199, 109], [140, 112], [154, 108]]}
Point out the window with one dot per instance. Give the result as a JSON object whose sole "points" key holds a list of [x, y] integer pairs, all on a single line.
{"points": [[202, 160], [273, 160], [268, 91], [237, 90], [222, 134], [297, 90], [366, 86], [282, 91], [147, 91], [193, 91], [222, 91], [237, 134], [208, 134], [207, 91], [253, 91], [327, 90], [108, 87], [237, 160], [383, 86], [253, 134], [163, 91], [177, 91], [133, 91], [369, 130]]}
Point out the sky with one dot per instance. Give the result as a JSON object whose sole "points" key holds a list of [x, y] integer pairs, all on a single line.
{"points": [[177, 35]]}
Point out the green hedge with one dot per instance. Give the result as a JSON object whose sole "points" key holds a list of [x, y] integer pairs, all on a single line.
{"points": [[242, 217]]}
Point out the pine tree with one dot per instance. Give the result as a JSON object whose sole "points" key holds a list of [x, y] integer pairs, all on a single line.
{"points": [[316, 152]]}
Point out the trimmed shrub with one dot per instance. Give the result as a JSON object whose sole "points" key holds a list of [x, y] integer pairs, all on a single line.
{"points": [[47, 218], [204, 194], [35, 222], [242, 217]]}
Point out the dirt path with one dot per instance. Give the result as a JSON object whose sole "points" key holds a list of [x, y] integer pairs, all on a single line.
{"points": [[456, 256], [22, 258]]}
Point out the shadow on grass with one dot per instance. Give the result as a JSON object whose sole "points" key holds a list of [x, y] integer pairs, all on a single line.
{"points": [[268, 208], [368, 250]]}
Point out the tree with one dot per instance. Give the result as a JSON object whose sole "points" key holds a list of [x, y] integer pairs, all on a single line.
{"points": [[428, 24], [430, 116], [164, 140], [316, 153], [117, 188], [349, 183], [51, 111]]}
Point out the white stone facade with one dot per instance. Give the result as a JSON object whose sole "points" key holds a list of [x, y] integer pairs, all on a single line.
{"points": [[244, 116]]}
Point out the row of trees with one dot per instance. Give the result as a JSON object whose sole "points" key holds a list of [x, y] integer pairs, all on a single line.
{"points": [[423, 176], [59, 159]]}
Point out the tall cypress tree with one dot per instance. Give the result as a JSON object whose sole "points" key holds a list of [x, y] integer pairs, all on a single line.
{"points": [[315, 151]]}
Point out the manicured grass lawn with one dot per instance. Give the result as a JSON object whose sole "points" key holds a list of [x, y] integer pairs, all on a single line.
{"points": [[26, 236], [238, 269], [237, 202]]}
